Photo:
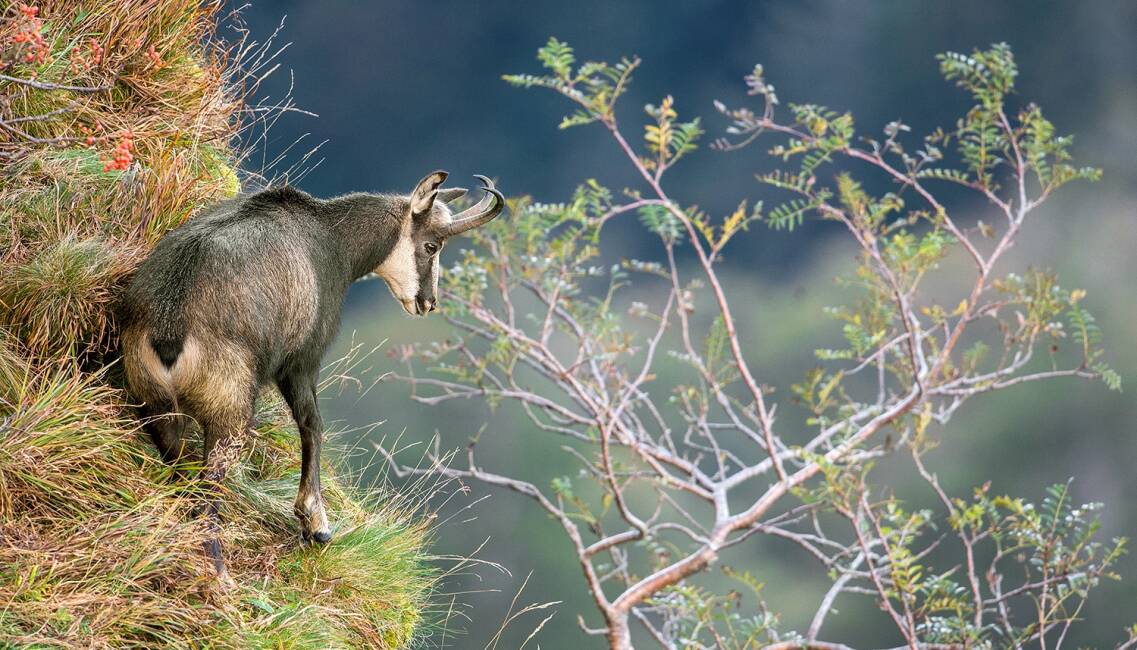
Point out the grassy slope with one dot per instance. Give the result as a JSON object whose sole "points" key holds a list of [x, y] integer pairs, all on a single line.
{"points": [[97, 547]]}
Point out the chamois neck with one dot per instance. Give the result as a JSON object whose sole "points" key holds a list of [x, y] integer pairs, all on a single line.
{"points": [[367, 227]]}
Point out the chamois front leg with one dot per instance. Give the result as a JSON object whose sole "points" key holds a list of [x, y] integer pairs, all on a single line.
{"points": [[300, 393]]}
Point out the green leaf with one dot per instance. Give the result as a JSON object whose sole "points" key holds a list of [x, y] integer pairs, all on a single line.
{"points": [[557, 56], [261, 605], [661, 221]]}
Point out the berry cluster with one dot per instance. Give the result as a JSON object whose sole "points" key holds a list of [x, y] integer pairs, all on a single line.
{"points": [[155, 58], [83, 62], [28, 43], [92, 134], [123, 155]]}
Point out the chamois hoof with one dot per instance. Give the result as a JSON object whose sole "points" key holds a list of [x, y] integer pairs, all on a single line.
{"points": [[320, 536], [225, 582]]}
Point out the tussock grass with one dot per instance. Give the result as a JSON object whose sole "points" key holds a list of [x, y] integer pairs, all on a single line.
{"points": [[62, 295], [98, 544], [57, 420]]}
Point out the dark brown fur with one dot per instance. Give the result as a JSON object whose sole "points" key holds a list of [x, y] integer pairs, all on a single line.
{"points": [[249, 293]]}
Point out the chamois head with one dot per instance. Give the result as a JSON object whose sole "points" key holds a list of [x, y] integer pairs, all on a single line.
{"points": [[411, 268]]}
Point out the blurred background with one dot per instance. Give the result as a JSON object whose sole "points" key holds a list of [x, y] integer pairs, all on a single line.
{"points": [[403, 88]]}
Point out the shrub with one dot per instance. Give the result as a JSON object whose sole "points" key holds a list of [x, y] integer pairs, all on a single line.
{"points": [[641, 372]]}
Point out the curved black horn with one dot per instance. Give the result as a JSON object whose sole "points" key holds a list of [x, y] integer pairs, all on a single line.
{"points": [[489, 207]]}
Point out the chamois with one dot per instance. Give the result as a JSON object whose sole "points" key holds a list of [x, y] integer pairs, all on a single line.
{"points": [[250, 292]]}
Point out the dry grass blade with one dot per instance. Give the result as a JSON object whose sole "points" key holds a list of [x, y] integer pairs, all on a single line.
{"points": [[511, 617]]}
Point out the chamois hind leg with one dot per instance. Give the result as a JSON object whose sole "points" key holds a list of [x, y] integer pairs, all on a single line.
{"points": [[167, 429], [224, 434], [299, 390], [149, 380], [222, 402]]}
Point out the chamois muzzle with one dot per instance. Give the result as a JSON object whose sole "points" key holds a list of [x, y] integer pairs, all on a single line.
{"points": [[489, 207], [424, 305]]}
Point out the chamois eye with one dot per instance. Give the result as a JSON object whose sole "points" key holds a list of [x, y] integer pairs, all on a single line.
{"points": [[431, 247]]}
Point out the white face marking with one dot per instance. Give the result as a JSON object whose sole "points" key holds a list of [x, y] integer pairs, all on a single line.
{"points": [[434, 275], [398, 271], [445, 216]]}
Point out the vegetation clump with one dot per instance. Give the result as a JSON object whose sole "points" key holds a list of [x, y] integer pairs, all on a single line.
{"points": [[117, 121]]}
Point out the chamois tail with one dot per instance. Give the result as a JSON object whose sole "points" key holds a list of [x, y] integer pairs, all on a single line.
{"points": [[168, 295]]}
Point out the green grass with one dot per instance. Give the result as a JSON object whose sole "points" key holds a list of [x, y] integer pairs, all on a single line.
{"points": [[99, 546], [62, 295]]}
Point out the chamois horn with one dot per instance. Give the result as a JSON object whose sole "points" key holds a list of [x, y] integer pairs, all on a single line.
{"points": [[485, 210]]}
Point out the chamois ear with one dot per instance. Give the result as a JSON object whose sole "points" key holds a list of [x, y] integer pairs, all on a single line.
{"points": [[422, 198], [451, 193]]}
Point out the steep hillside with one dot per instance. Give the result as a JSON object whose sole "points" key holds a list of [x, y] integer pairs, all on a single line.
{"points": [[117, 121]]}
